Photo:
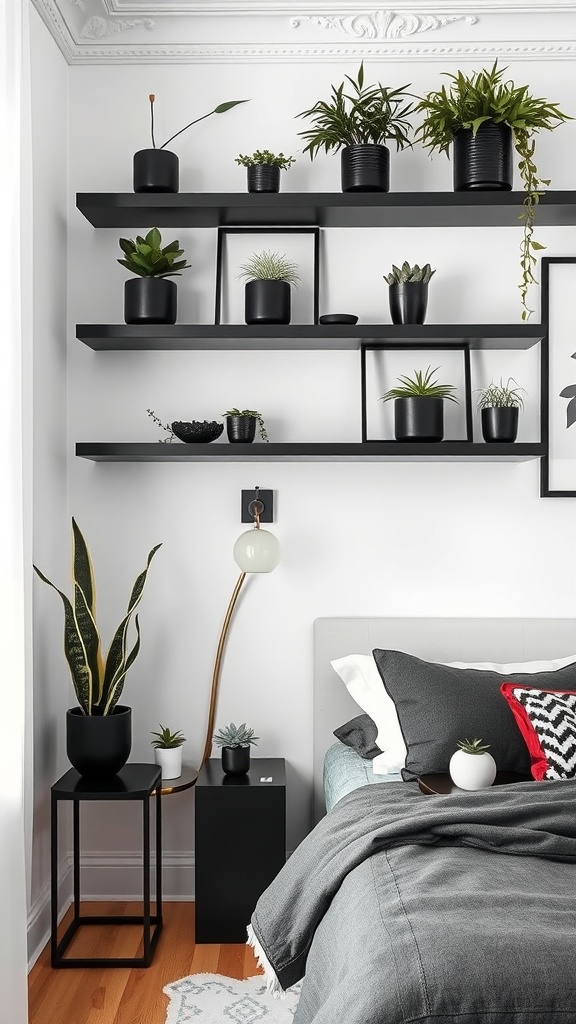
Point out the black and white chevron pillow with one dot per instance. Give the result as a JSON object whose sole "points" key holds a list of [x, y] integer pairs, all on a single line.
{"points": [[547, 721]]}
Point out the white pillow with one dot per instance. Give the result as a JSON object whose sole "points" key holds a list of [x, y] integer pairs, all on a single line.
{"points": [[363, 681]]}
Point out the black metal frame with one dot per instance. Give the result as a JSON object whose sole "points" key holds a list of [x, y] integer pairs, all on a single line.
{"points": [[264, 230], [421, 346], [146, 919], [545, 491]]}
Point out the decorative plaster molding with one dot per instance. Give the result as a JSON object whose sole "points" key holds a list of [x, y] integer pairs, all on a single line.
{"points": [[98, 28], [384, 24], [218, 8]]}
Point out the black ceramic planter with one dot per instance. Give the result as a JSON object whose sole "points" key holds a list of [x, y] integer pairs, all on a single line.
{"points": [[267, 302], [99, 744], [150, 300], [263, 178], [241, 429], [365, 168], [500, 424], [156, 170], [235, 760], [419, 418], [483, 161], [408, 302]]}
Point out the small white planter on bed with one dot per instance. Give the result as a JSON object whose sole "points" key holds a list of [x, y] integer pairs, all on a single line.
{"points": [[472, 767]]}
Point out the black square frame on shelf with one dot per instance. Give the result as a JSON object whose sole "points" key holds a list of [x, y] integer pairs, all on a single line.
{"points": [[464, 347], [558, 378], [280, 230]]}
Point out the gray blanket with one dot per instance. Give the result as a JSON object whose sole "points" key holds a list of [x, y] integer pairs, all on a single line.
{"points": [[459, 909]]}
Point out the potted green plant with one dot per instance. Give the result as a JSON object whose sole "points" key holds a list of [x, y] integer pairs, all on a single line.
{"points": [[168, 751], [149, 298], [241, 425], [98, 730], [267, 293], [500, 409], [263, 169], [157, 169], [482, 116], [471, 767], [235, 741], [408, 292], [359, 120], [419, 406]]}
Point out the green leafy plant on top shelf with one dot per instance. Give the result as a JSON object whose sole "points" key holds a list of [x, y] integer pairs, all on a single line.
{"points": [[147, 258], [269, 266], [406, 274], [421, 384], [165, 739], [98, 681], [263, 157], [235, 736], [473, 746], [468, 102], [358, 114], [500, 396], [220, 109], [250, 412]]}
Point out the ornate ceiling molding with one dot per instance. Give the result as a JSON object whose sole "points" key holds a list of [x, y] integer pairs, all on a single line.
{"points": [[384, 24]]}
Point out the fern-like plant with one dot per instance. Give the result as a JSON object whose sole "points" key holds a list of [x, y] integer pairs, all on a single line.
{"points": [[146, 257], [264, 158], [269, 266], [420, 385], [473, 746], [500, 396], [407, 274], [235, 736], [165, 739]]}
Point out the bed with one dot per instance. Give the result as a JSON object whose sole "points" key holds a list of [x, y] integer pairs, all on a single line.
{"points": [[401, 907]]}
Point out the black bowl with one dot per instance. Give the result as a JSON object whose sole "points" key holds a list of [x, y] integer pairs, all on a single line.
{"points": [[198, 431], [338, 318]]}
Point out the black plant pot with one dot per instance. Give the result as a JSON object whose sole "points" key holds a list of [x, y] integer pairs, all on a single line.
{"points": [[150, 300], [365, 168], [241, 429], [263, 178], [267, 302], [408, 302], [235, 760], [419, 418], [156, 170], [99, 745], [483, 161], [500, 424]]}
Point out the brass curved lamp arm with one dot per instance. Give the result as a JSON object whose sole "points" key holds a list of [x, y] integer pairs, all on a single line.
{"points": [[217, 668]]}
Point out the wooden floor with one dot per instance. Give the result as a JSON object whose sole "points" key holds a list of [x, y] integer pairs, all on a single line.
{"points": [[116, 995]]}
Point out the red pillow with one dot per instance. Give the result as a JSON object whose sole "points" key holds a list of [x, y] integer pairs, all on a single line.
{"points": [[547, 721]]}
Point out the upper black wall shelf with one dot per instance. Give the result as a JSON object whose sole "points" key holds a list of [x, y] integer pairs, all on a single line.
{"points": [[327, 209]]}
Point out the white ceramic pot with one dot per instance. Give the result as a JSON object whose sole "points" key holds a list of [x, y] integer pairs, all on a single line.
{"points": [[170, 761], [472, 771]]}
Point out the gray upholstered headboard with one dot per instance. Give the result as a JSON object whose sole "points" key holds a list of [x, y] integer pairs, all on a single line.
{"points": [[499, 640]]}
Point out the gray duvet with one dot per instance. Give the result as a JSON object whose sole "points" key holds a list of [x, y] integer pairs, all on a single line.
{"points": [[459, 909]]}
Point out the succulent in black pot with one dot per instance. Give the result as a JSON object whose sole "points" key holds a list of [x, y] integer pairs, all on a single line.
{"points": [[263, 169], [150, 298], [408, 292], [235, 741]]}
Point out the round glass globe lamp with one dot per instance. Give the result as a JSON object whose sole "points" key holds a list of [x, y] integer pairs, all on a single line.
{"points": [[257, 551]]}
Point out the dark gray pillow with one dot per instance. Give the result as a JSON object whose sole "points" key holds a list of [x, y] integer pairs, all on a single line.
{"points": [[438, 705], [360, 734]]}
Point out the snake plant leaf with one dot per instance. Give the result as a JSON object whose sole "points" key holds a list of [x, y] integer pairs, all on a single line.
{"points": [[90, 640], [118, 683], [73, 648], [83, 570]]}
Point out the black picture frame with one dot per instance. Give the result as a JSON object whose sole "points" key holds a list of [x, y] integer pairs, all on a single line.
{"points": [[556, 350]]}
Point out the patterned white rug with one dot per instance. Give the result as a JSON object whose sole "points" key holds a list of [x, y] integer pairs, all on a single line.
{"points": [[214, 999]]}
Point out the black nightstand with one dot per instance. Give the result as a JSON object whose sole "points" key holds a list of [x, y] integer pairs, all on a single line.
{"points": [[240, 844]]}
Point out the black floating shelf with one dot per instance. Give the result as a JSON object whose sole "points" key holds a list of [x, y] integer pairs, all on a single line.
{"points": [[302, 336], [370, 451], [326, 209]]}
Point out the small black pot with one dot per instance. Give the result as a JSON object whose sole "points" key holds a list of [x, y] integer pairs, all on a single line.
{"points": [[99, 745], [408, 302], [241, 429], [483, 161], [263, 178], [267, 302], [419, 418], [150, 300], [156, 170], [365, 168], [235, 760], [500, 424]]}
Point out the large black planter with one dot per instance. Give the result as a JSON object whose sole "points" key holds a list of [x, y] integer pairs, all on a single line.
{"points": [[419, 418], [365, 168], [156, 170], [150, 300], [263, 178], [500, 424], [99, 745], [267, 302], [483, 161], [408, 302], [241, 429], [235, 760]]}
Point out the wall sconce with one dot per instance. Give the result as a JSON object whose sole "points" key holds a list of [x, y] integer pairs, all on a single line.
{"points": [[256, 550]]}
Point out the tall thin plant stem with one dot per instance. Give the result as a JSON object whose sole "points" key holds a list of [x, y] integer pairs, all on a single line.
{"points": [[184, 128], [152, 98]]}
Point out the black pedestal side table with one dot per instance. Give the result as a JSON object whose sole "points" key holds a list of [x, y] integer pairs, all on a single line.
{"points": [[133, 782], [240, 844]]}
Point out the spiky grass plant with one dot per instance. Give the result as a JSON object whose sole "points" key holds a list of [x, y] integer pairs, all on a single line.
{"points": [[421, 384], [269, 266], [146, 257], [500, 396], [235, 736], [166, 739], [407, 274], [473, 746]]}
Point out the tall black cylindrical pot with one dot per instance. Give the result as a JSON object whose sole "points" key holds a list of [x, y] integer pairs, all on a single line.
{"points": [[99, 744], [241, 429], [156, 170], [263, 178], [483, 161], [500, 424], [267, 302], [150, 300], [408, 302], [365, 168], [235, 760], [419, 418]]}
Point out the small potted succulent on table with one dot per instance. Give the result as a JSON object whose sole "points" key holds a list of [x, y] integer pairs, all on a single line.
{"points": [[419, 406], [150, 298], [241, 425], [263, 169], [267, 293], [168, 751], [471, 767], [408, 292], [500, 410], [235, 742]]}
